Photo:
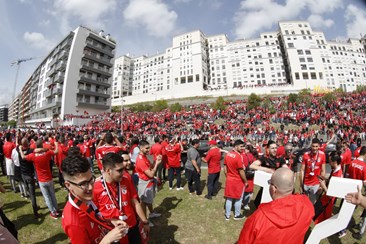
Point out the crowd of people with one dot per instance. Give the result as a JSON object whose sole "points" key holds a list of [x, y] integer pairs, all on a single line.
{"points": [[136, 153]]}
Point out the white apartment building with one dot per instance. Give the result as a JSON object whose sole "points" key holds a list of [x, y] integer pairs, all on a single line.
{"points": [[73, 81], [287, 60]]}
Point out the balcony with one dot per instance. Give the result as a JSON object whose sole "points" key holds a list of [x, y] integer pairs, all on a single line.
{"points": [[99, 48], [101, 60], [93, 93], [98, 81], [104, 72], [101, 105], [51, 72], [64, 54], [59, 78], [66, 43], [61, 66]]}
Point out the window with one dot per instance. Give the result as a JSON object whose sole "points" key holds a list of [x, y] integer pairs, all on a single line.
{"points": [[313, 75], [310, 60], [305, 75], [290, 45], [297, 77], [307, 52]]}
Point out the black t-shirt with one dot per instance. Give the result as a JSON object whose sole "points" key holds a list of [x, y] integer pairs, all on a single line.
{"points": [[272, 163], [26, 167]]}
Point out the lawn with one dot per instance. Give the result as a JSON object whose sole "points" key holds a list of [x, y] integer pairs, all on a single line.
{"points": [[185, 218]]}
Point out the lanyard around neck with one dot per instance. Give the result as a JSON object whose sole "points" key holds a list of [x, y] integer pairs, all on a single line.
{"points": [[113, 199]]}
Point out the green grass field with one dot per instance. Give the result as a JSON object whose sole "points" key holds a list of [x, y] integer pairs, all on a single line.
{"points": [[185, 218]]}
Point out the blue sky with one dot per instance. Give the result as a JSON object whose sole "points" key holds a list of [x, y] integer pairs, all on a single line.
{"points": [[31, 28]]}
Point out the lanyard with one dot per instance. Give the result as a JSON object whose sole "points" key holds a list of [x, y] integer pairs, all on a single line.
{"points": [[113, 199], [313, 162], [91, 211]]}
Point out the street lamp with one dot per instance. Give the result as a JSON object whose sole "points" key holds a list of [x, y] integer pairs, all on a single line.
{"points": [[122, 101]]}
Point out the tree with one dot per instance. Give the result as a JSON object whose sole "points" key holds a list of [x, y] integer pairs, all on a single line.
{"points": [[12, 123], [219, 104], [175, 107], [266, 102], [292, 98], [254, 101], [361, 88], [329, 97], [160, 105], [116, 109]]}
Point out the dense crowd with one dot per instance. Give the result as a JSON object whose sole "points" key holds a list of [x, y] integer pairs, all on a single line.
{"points": [[137, 152]]}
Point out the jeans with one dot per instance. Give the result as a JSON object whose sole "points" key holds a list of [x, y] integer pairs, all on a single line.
{"points": [[193, 176], [91, 164], [246, 198], [171, 172], [161, 172], [31, 188], [48, 192], [213, 183], [311, 191], [237, 206]]}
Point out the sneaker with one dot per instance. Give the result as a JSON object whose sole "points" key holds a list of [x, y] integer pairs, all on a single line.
{"points": [[151, 224], [154, 215], [180, 188], [246, 207], [357, 236], [53, 215], [239, 217], [208, 197], [227, 218], [170, 188], [342, 234]]}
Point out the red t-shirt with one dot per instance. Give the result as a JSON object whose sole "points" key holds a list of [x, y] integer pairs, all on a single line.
{"points": [[41, 162], [284, 220], [173, 154], [142, 164], [8, 148], [79, 227], [357, 152], [87, 145], [248, 158], [234, 184], [108, 208], [357, 170], [213, 159], [156, 150], [61, 154], [346, 157], [313, 167], [281, 151], [103, 150]]}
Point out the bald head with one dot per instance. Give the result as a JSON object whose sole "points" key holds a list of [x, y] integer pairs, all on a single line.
{"points": [[25, 142], [283, 180]]}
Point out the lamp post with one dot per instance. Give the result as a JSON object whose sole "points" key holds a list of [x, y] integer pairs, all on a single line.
{"points": [[121, 114]]}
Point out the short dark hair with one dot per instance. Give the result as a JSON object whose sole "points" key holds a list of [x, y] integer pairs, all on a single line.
{"points": [[73, 165], [335, 157], [122, 152], [39, 143], [111, 159], [195, 141], [315, 141], [156, 139], [143, 143], [108, 138], [238, 142], [74, 151], [270, 142], [363, 150]]}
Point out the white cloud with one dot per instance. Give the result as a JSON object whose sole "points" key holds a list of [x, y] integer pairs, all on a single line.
{"points": [[85, 12], [355, 21], [153, 15], [37, 40], [255, 15], [323, 6], [319, 22], [258, 15], [44, 23]]}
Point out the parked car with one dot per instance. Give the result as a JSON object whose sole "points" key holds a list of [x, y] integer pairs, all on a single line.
{"points": [[299, 153]]}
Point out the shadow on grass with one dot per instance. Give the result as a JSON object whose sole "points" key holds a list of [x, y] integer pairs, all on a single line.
{"points": [[13, 206], [162, 232], [28, 219], [57, 238]]}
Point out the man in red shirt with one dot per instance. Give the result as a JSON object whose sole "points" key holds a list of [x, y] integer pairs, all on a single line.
{"points": [[115, 196], [87, 145], [81, 219], [284, 220], [235, 180], [213, 159], [41, 161], [172, 151], [313, 165], [155, 151], [8, 148], [357, 171], [146, 184], [105, 146], [346, 156]]}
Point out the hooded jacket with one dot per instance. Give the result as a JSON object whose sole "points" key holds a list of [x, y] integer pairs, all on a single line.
{"points": [[284, 220]]}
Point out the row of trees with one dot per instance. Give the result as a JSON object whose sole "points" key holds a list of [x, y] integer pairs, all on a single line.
{"points": [[254, 101]]}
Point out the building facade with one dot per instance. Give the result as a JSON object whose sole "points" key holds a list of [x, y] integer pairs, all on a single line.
{"points": [[292, 58], [4, 113], [73, 81]]}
